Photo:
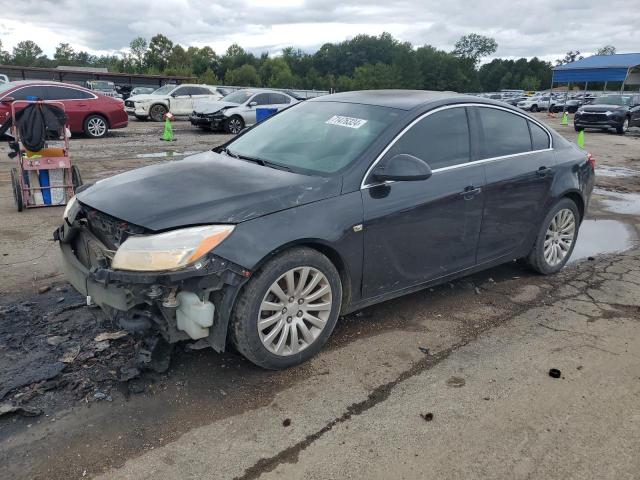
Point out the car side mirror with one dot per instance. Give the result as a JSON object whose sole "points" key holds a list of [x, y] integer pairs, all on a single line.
{"points": [[7, 100], [253, 104], [402, 168]]}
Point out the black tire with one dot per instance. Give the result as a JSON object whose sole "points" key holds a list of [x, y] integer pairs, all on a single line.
{"points": [[234, 124], [534, 108], [622, 129], [17, 191], [96, 126], [578, 129], [536, 259], [76, 178], [243, 329], [157, 112], [142, 118]]}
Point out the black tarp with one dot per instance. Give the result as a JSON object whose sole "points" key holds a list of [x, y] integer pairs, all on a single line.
{"points": [[37, 123]]}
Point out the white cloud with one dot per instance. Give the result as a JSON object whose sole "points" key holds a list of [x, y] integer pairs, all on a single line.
{"points": [[545, 29]]}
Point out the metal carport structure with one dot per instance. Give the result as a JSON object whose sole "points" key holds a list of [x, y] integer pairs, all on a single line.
{"points": [[623, 67]]}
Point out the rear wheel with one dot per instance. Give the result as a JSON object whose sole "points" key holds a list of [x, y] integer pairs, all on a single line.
{"points": [[157, 112], [624, 127], [17, 189], [95, 126], [288, 309], [534, 108], [76, 178], [556, 238]]}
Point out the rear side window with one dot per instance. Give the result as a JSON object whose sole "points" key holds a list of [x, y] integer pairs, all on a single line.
{"points": [[539, 138], [440, 139], [504, 133], [277, 98], [63, 93]]}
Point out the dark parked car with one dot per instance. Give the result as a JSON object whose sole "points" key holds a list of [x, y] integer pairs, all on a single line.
{"points": [[618, 112], [268, 239], [89, 112], [570, 105]]}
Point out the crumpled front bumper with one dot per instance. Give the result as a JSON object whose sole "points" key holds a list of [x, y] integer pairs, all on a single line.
{"points": [[121, 292]]}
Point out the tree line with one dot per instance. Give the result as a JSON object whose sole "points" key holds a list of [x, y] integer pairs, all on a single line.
{"points": [[363, 62]]}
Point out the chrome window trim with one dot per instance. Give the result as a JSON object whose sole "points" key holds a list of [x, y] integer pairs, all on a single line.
{"points": [[364, 185], [93, 95]]}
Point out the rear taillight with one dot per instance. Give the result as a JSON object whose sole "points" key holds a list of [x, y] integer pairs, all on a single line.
{"points": [[591, 161]]}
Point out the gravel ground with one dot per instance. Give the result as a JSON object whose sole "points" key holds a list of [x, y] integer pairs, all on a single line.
{"points": [[359, 403]]}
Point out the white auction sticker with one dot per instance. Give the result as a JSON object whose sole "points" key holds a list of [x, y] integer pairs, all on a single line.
{"points": [[349, 122]]}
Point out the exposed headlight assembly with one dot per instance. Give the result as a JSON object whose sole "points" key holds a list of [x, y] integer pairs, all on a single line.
{"points": [[169, 250]]}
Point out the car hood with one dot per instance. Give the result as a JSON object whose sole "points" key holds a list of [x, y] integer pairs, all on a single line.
{"points": [[208, 106], [603, 108], [147, 97], [204, 189]]}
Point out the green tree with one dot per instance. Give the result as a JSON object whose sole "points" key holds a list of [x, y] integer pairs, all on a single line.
{"points": [[26, 53], [245, 76], [474, 47], [178, 62], [157, 56], [64, 54], [569, 57], [138, 47], [606, 50], [209, 78], [5, 57], [380, 75]]}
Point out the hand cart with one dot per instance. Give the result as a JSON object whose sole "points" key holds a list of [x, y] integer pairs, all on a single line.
{"points": [[43, 178]]}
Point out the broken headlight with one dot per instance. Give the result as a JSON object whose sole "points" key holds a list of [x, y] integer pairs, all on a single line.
{"points": [[169, 250]]}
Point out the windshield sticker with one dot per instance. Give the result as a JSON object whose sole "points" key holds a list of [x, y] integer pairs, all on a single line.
{"points": [[348, 122]]}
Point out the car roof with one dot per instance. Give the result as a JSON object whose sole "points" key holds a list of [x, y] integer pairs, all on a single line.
{"points": [[401, 99], [21, 83]]}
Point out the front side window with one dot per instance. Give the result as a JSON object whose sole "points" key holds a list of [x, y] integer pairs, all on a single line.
{"points": [[238, 97], [182, 92], [164, 90], [316, 137], [440, 139], [278, 98], [26, 93], [504, 133], [261, 99]]}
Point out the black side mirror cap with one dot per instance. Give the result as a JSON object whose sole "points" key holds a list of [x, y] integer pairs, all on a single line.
{"points": [[401, 168]]}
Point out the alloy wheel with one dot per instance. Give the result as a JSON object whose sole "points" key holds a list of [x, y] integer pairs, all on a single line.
{"points": [[559, 237], [96, 126], [294, 311], [234, 125], [625, 125]]}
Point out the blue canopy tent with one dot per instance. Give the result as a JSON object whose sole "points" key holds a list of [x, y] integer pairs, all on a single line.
{"points": [[624, 67]]}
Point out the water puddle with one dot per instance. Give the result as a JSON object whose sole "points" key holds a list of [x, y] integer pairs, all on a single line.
{"points": [[168, 153], [619, 202], [600, 237], [605, 171]]}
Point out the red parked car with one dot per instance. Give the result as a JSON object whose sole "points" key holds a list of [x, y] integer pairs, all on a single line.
{"points": [[89, 112]]}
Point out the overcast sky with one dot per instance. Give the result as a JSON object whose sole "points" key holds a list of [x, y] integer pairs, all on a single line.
{"points": [[543, 28]]}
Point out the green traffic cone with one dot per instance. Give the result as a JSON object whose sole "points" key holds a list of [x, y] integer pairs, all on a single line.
{"points": [[168, 131], [581, 138], [565, 119]]}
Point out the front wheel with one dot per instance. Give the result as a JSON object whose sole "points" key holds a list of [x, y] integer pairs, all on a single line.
{"points": [[288, 309], [622, 129], [234, 125], [556, 238], [95, 126], [157, 112]]}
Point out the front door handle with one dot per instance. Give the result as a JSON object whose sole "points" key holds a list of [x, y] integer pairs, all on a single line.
{"points": [[469, 192], [543, 171]]}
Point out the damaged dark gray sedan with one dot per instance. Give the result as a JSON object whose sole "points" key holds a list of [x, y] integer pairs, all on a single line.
{"points": [[332, 205]]}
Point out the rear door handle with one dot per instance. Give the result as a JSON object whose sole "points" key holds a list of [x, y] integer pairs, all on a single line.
{"points": [[469, 192], [543, 171]]}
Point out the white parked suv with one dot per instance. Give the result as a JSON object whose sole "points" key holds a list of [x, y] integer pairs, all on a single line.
{"points": [[536, 103], [4, 78], [177, 99], [238, 109]]}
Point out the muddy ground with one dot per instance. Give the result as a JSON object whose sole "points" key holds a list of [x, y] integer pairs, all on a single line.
{"points": [[88, 411]]}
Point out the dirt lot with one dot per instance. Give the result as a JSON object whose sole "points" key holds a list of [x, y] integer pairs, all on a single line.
{"points": [[447, 383]]}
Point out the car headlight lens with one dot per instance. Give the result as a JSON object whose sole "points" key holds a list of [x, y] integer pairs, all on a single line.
{"points": [[170, 250], [71, 209]]}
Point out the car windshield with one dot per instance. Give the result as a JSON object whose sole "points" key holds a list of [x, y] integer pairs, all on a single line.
{"points": [[238, 97], [164, 90], [613, 100], [315, 137]]}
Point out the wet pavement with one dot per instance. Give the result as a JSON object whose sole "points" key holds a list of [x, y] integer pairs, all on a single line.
{"points": [[603, 237], [624, 203]]}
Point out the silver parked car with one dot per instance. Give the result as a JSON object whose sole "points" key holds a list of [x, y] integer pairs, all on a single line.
{"points": [[238, 109]]}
